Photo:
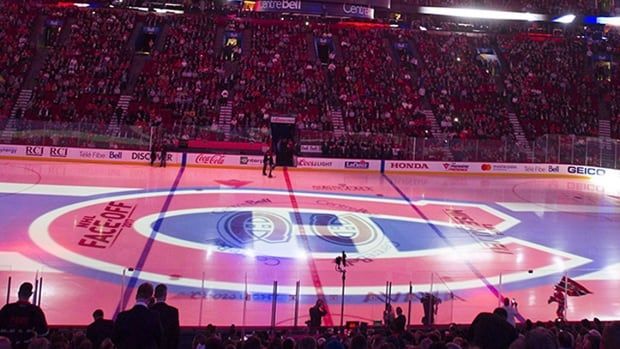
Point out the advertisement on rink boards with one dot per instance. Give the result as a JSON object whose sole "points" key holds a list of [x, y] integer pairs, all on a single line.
{"points": [[11, 150], [224, 160], [499, 168], [338, 164], [121, 156], [35, 152], [83, 154]]}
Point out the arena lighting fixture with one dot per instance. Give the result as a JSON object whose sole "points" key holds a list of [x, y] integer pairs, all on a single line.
{"points": [[69, 4], [178, 12], [479, 13], [137, 8], [566, 19], [615, 21]]}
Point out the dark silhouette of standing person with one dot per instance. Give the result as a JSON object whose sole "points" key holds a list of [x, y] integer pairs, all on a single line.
{"points": [[400, 322], [99, 329], [22, 321], [316, 314], [268, 162], [388, 315], [169, 317], [153, 154], [164, 154], [559, 297], [430, 303], [138, 327]]}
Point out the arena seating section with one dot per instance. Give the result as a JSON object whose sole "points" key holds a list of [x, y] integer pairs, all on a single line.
{"points": [[383, 95], [550, 87], [15, 28], [181, 82]]}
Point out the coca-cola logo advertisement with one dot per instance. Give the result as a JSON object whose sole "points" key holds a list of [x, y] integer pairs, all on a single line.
{"points": [[210, 159]]}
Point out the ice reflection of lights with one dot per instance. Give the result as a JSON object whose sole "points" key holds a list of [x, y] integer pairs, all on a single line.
{"points": [[209, 251], [301, 255], [559, 263], [610, 183], [519, 257]]}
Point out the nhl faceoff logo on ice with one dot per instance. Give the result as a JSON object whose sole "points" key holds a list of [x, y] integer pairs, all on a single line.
{"points": [[234, 227]]}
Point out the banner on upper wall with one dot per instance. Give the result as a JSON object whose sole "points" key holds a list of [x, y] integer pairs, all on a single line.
{"points": [[311, 148], [315, 8], [283, 119]]}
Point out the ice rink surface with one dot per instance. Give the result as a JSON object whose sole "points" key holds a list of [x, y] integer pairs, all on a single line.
{"points": [[220, 238]]}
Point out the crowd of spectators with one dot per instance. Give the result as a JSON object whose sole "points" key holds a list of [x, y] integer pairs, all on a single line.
{"points": [[612, 97], [365, 146], [488, 331], [152, 323], [83, 77], [279, 77], [550, 86], [376, 93], [182, 82], [461, 89], [186, 5], [380, 78], [16, 22], [614, 116]]}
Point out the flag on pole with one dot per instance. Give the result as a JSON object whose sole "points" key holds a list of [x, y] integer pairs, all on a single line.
{"points": [[572, 287]]}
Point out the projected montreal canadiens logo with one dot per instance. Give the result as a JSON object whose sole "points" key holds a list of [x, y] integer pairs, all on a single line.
{"points": [[217, 236]]}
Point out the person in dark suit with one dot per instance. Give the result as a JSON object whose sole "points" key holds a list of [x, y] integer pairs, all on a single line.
{"points": [[164, 154], [22, 322], [169, 317], [153, 154], [99, 329], [400, 322], [138, 327], [268, 163], [316, 314]]}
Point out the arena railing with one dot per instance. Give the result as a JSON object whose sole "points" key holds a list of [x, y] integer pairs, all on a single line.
{"points": [[552, 149], [282, 299], [75, 134]]}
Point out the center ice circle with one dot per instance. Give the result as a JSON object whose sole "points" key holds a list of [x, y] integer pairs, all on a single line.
{"points": [[279, 232]]}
